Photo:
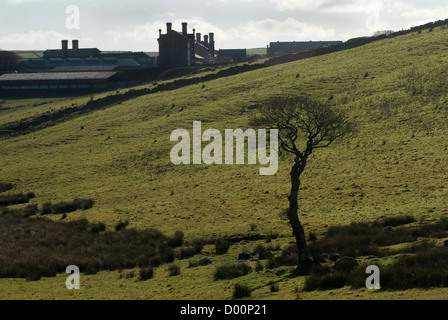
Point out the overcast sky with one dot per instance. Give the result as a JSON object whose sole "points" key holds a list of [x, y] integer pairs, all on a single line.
{"points": [[134, 24]]}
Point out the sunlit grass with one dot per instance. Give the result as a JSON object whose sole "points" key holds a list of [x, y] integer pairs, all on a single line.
{"points": [[396, 164]]}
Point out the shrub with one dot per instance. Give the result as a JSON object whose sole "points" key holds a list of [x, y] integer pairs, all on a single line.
{"points": [[312, 236], [438, 229], [199, 243], [97, 227], [274, 287], [328, 281], [271, 264], [144, 262], [241, 291], [5, 186], [222, 246], [397, 221], [166, 253], [45, 243], [187, 252], [46, 208], [146, 273], [358, 239], [260, 250], [289, 256], [12, 199], [423, 270], [176, 240], [174, 270], [90, 268], [121, 225], [231, 271], [66, 206]]}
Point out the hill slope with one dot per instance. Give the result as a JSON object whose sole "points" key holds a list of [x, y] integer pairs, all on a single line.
{"points": [[397, 163]]}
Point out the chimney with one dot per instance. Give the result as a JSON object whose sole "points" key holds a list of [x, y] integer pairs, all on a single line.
{"points": [[198, 37], [64, 45], [168, 27], [206, 39], [75, 44], [160, 32], [212, 40], [184, 28]]}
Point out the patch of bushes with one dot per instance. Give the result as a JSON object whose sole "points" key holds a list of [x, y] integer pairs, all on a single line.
{"points": [[437, 230], [222, 246], [274, 287], [231, 271], [66, 206], [121, 225], [28, 211], [359, 239], [12, 199], [194, 247], [424, 266], [176, 240], [146, 273], [6, 186], [40, 247], [332, 280], [425, 269], [187, 252], [241, 291], [362, 239], [174, 270], [96, 227], [397, 221]]}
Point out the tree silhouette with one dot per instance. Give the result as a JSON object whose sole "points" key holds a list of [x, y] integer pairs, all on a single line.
{"points": [[304, 125], [8, 61]]}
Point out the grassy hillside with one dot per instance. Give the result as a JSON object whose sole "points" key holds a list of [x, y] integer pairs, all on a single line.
{"points": [[396, 164]]}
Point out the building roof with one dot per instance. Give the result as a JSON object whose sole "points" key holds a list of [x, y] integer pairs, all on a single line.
{"points": [[71, 64], [56, 76], [83, 68], [301, 44], [84, 52]]}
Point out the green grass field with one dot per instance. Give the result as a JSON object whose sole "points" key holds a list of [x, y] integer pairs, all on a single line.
{"points": [[396, 164]]}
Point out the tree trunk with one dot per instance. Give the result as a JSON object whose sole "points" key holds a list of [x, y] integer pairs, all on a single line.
{"points": [[304, 260]]}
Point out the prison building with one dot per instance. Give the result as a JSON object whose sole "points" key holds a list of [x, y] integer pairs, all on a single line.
{"points": [[60, 82], [86, 60], [183, 49], [232, 55], [74, 52], [281, 48]]}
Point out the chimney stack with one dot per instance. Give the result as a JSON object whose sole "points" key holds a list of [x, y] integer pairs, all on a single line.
{"points": [[168, 27], [75, 44], [64, 45], [206, 39], [160, 32], [198, 37], [184, 28], [212, 41]]}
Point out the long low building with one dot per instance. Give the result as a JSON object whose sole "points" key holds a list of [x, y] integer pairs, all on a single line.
{"points": [[282, 48], [35, 83]]}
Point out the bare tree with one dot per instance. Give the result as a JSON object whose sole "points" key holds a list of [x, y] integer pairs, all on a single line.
{"points": [[304, 125]]}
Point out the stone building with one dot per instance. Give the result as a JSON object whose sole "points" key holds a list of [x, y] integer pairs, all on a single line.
{"points": [[183, 49], [281, 48]]}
